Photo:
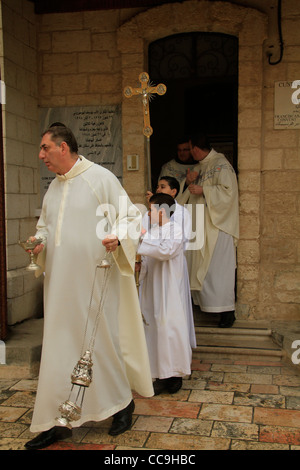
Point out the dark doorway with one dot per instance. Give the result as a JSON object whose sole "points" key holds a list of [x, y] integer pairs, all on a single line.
{"points": [[200, 71]]}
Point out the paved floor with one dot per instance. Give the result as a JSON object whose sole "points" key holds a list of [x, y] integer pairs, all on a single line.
{"points": [[225, 404]]}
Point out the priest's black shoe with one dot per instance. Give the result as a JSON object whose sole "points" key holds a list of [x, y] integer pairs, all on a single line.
{"points": [[122, 420], [47, 438], [227, 319]]}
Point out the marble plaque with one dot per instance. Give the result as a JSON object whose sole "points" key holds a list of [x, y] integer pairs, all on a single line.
{"points": [[287, 105], [98, 132]]}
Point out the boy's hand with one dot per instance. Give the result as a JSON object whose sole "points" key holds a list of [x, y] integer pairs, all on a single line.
{"points": [[138, 267], [148, 195]]}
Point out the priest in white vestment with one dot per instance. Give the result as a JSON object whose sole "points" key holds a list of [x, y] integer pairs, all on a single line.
{"points": [[163, 298], [178, 166], [213, 183], [86, 213]]}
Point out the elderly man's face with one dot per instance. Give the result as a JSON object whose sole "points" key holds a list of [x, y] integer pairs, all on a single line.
{"points": [[51, 154]]}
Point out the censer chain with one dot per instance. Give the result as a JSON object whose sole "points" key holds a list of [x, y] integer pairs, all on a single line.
{"points": [[106, 276]]}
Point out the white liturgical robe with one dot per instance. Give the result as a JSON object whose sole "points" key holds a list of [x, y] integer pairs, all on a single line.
{"points": [[79, 210], [176, 169], [163, 301], [182, 217]]}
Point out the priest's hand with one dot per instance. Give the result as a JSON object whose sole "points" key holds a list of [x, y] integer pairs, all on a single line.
{"points": [[111, 243], [191, 176], [195, 189], [38, 249]]}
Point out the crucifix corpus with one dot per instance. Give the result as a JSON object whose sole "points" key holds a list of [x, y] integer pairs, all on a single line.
{"points": [[146, 90]]}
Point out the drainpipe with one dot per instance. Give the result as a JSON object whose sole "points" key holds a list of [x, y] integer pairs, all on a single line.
{"points": [[3, 285], [273, 45]]}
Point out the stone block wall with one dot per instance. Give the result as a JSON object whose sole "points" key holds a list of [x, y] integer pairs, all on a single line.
{"points": [[80, 65], [87, 58], [79, 62], [279, 285]]}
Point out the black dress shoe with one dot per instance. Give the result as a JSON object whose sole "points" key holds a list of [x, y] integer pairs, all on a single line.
{"points": [[227, 319], [160, 386], [122, 420], [170, 385], [47, 438], [174, 384]]}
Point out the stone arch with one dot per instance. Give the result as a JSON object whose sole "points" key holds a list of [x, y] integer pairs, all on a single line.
{"points": [[250, 27]]}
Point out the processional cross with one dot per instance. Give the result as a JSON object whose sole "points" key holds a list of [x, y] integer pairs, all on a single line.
{"points": [[146, 90]]}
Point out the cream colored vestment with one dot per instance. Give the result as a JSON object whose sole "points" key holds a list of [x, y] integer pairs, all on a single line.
{"points": [[176, 169], [221, 214], [79, 210]]}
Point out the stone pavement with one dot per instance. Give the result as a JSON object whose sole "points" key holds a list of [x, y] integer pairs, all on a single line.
{"points": [[224, 404]]}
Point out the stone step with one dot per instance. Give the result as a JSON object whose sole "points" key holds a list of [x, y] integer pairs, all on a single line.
{"points": [[212, 320], [23, 350], [237, 341], [238, 354], [234, 331], [251, 340]]}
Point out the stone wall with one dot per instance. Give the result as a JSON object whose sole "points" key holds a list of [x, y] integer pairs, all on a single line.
{"points": [[250, 26], [79, 62], [268, 278], [278, 290], [87, 58], [48, 60], [20, 124]]}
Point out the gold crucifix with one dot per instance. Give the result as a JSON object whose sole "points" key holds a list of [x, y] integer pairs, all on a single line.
{"points": [[146, 90]]}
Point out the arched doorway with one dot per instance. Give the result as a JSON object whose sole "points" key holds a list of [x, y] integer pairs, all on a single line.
{"points": [[249, 26], [200, 70]]}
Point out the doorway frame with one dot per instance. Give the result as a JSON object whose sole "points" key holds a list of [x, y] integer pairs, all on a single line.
{"points": [[250, 26], [191, 83], [247, 24]]}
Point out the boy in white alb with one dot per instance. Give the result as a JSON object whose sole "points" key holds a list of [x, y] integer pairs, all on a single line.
{"points": [[163, 297], [171, 186], [181, 216]]}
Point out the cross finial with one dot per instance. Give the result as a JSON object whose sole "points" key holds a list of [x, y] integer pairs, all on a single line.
{"points": [[146, 90]]}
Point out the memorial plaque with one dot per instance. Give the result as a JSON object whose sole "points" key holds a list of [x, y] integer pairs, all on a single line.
{"points": [[98, 133], [287, 105]]}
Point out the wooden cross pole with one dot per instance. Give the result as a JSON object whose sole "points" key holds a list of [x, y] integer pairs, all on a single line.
{"points": [[146, 90]]}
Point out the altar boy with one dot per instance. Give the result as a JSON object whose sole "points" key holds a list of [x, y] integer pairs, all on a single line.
{"points": [[163, 297]]}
